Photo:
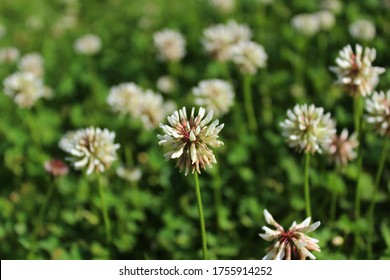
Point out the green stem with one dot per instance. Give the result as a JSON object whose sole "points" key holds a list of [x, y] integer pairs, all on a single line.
{"points": [[333, 206], [249, 104], [307, 191], [107, 224], [358, 111], [201, 217], [223, 66], [371, 209]]}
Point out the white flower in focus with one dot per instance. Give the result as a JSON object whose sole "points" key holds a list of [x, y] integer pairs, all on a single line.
{"points": [[378, 112], [125, 98], [293, 244], [218, 39], [248, 56], [129, 174], [308, 129], [342, 149], [32, 63], [216, 95], [307, 24], [24, 88], [188, 140], [355, 72], [88, 44], [166, 84], [170, 45], [326, 19], [91, 148], [224, 6], [362, 29], [9, 55]]}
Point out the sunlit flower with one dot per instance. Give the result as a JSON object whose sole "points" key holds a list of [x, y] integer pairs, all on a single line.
{"points": [[125, 98], [24, 88], [248, 56], [362, 29], [216, 95], [355, 72], [56, 167], [308, 129], [166, 84], [293, 244], [188, 140], [224, 6], [378, 112], [326, 19], [32, 63], [88, 44], [9, 55], [91, 148], [218, 39], [307, 24], [342, 149], [129, 174], [170, 45]]}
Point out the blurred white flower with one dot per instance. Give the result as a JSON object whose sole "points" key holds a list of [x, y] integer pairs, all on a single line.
{"points": [[170, 45], [32, 63], [355, 72], [91, 148], [216, 95], [166, 84], [362, 29], [56, 167], [129, 174], [265, 2], [9, 55], [293, 244], [307, 24], [308, 129], [24, 88], [88, 44], [248, 56], [338, 241], [218, 39], [188, 140], [34, 22], [378, 112], [326, 19], [342, 149], [333, 5], [125, 98], [223, 6]]}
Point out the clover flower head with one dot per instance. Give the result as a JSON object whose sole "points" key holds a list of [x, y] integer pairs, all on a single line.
{"points": [[32, 63], [308, 129], [332, 5], [326, 19], [378, 112], [166, 84], [362, 29], [125, 98], [56, 167], [216, 95], [307, 24], [9, 55], [129, 174], [24, 88], [189, 139], [91, 148], [223, 6], [355, 72], [342, 149], [292, 244], [170, 45], [88, 44], [248, 56]]}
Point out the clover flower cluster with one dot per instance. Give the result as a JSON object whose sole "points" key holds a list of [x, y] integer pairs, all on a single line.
{"points": [[378, 112], [223, 6], [88, 44], [362, 29], [311, 24], [170, 45], [9, 55], [342, 149]]}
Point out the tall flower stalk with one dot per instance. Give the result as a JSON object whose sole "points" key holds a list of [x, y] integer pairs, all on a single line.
{"points": [[201, 216]]}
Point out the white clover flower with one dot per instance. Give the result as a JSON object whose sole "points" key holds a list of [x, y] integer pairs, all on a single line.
{"points": [[326, 19], [188, 140], [88, 44], [307, 24], [333, 5], [342, 149], [125, 98], [216, 95], [248, 56], [308, 129], [170, 45], [32, 63], [355, 72], [362, 29], [378, 112], [223, 6], [24, 88], [91, 148], [293, 244], [218, 39], [9, 55], [129, 174], [166, 84]]}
